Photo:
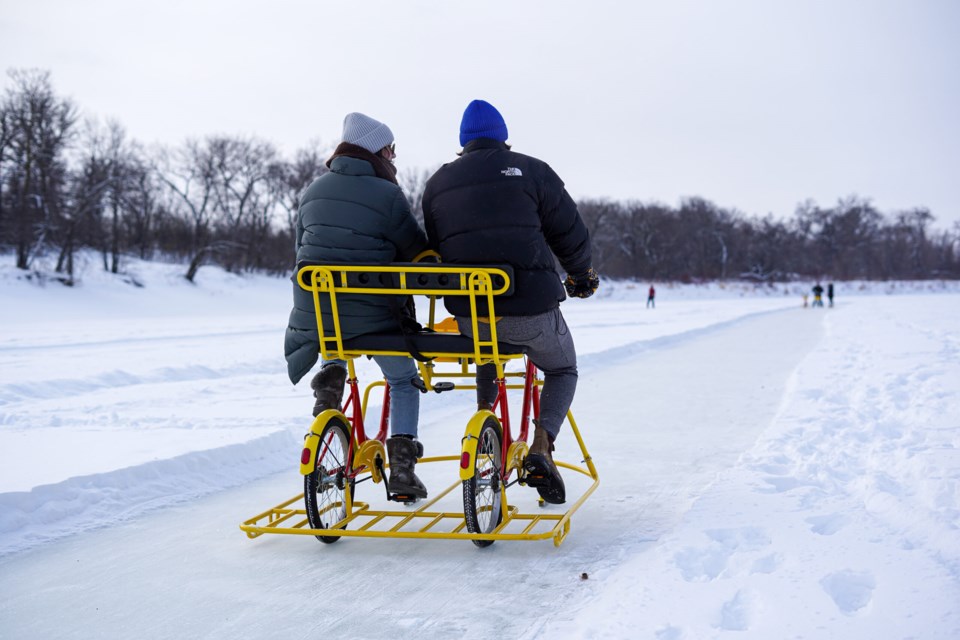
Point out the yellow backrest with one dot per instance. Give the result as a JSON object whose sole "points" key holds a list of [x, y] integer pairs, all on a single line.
{"points": [[432, 280]]}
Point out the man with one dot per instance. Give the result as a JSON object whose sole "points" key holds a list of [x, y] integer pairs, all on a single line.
{"points": [[494, 206], [357, 213], [817, 295], [651, 294]]}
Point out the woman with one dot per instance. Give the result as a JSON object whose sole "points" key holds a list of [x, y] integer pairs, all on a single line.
{"points": [[357, 213]]}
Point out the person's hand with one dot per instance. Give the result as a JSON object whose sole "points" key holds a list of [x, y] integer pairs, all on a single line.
{"points": [[582, 285]]}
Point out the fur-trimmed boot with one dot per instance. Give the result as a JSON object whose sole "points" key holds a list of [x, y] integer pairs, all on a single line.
{"points": [[403, 452], [327, 388], [542, 472]]}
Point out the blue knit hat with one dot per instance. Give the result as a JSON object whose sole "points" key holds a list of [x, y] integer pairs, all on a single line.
{"points": [[482, 120]]}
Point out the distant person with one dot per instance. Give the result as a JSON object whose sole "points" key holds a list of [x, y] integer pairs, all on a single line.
{"points": [[830, 293], [817, 295], [805, 297], [356, 213], [650, 296], [493, 206]]}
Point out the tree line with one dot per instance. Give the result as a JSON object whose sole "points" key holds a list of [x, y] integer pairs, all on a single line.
{"points": [[67, 185], [699, 240]]}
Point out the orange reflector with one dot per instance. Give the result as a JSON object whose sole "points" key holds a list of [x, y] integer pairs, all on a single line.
{"points": [[305, 456], [464, 460]]}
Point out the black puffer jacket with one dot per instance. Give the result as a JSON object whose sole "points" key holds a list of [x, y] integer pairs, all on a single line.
{"points": [[494, 206]]}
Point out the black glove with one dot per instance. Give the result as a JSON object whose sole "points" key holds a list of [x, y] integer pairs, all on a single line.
{"points": [[582, 285]]}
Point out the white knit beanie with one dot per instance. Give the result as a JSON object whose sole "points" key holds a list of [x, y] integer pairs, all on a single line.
{"points": [[366, 132]]}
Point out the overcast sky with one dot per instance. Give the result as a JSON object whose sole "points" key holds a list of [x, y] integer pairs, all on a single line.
{"points": [[754, 104]]}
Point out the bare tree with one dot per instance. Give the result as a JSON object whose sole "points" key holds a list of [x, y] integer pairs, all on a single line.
{"points": [[244, 203], [189, 174], [241, 167], [142, 205], [766, 247], [82, 218], [37, 130], [290, 179], [6, 164], [413, 181], [604, 220]]}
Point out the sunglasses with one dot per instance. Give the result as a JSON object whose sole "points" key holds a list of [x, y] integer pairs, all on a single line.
{"points": [[393, 147]]}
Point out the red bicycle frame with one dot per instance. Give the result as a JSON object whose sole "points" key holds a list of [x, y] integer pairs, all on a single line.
{"points": [[353, 410]]}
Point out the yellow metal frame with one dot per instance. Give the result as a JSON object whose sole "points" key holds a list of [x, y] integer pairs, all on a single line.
{"points": [[363, 521], [474, 282]]}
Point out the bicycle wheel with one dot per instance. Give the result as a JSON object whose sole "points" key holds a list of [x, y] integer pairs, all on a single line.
{"points": [[481, 493], [324, 490]]}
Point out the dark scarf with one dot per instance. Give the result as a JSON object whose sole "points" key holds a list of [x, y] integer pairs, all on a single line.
{"points": [[381, 167]]}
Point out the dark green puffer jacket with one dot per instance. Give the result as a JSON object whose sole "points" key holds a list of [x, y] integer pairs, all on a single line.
{"points": [[348, 215]]}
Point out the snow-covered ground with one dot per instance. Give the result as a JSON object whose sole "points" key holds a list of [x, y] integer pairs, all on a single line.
{"points": [[767, 471]]}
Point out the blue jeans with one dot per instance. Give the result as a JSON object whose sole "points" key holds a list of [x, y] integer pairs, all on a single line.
{"points": [[404, 397]]}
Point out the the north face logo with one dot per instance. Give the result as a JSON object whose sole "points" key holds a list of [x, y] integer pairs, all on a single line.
{"points": [[512, 171]]}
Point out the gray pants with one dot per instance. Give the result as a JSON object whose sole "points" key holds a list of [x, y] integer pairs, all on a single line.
{"points": [[549, 346]]}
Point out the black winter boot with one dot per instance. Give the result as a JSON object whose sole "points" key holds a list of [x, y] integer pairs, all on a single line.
{"points": [[542, 472], [403, 452], [327, 388]]}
